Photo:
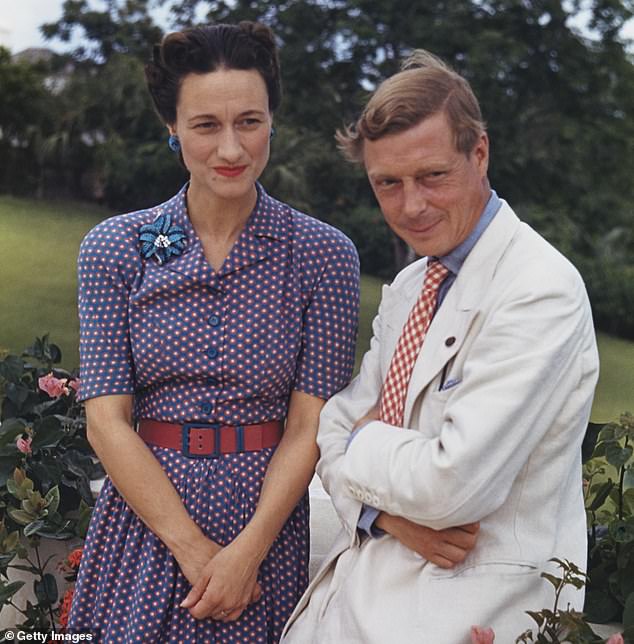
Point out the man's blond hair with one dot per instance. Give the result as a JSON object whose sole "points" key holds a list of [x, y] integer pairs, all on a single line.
{"points": [[424, 87]]}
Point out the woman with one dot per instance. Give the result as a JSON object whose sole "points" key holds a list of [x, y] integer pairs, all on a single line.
{"points": [[216, 323]]}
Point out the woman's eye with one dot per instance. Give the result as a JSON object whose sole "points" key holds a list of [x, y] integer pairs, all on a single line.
{"points": [[206, 125]]}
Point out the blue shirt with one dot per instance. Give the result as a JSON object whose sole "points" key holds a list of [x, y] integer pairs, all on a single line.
{"points": [[452, 261]]}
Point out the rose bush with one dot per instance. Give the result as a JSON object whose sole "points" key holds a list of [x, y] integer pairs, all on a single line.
{"points": [[46, 465]]}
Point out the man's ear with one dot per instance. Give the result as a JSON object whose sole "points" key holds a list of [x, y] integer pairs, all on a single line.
{"points": [[481, 153]]}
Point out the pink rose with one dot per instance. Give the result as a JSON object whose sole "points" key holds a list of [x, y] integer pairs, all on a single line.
{"points": [[24, 444], [617, 638], [481, 635], [53, 386]]}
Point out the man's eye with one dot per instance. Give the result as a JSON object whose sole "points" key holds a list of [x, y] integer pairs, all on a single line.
{"points": [[387, 183], [249, 123]]}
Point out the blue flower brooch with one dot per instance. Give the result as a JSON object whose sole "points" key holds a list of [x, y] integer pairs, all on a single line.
{"points": [[161, 239]]}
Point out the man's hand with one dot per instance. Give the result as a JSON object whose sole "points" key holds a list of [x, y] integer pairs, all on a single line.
{"points": [[445, 548]]}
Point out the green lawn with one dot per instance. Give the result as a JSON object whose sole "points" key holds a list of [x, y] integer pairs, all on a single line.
{"points": [[37, 268], [40, 241]]}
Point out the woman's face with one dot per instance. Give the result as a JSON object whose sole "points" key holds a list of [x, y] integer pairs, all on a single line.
{"points": [[224, 123]]}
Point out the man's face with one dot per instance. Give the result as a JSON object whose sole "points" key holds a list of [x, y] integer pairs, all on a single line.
{"points": [[431, 195]]}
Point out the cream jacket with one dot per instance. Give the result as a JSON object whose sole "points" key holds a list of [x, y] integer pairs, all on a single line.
{"points": [[499, 443]]}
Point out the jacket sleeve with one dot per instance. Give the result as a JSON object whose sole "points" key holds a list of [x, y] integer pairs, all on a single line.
{"points": [[339, 415], [533, 353]]}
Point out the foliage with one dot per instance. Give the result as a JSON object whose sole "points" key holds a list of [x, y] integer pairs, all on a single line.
{"points": [[609, 500], [558, 105], [560, 626], [46, 466]]}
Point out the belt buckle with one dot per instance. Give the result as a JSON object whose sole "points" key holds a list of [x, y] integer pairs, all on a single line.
{"points": [[200, 443]]}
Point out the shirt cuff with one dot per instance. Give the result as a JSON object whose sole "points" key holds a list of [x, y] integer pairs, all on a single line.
{"points": [[366, 522], [356, 431]]}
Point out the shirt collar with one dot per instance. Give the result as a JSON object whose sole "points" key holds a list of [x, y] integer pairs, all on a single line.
{"points": [[269, 217], [455, 259]]}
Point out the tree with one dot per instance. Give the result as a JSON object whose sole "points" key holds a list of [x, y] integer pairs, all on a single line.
{"points": [[559, 105]]}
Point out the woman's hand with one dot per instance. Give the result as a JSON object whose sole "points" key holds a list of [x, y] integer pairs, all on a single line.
{"points": [[195, 559], [226, 585], [445, 548]]}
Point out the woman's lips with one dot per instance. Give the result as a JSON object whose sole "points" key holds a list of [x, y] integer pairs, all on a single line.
{"points": [[230, 171]]}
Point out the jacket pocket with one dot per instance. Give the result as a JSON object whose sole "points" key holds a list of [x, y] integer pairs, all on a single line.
{"points": [[485, 568]]}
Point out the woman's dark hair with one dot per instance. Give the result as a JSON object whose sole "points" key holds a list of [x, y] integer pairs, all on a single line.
{"points": [[248, 45]]}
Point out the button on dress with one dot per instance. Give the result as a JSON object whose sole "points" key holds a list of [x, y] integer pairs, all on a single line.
{"points": [[195, 345]]}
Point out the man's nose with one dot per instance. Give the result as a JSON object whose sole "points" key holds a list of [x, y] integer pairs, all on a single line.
{"points": [[414, 199], [229, 145]]}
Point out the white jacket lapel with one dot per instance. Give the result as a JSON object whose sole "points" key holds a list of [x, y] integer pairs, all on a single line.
{"points": [[451, 324]]}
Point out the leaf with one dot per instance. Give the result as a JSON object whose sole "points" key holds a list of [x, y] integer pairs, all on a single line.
{"points": [[20, 516], [52, 500], [600, 607], [47, 433], [30, 569], [628, 480], [46, 589], [12, 368], [538, 618], [8, 463], [622, 531], [17, 394], [628, 611], [602, 494], [19, 475], [555, 581], [33, 527], [607, 433], [85, 512], [590, 440], [10, 429], [12, 540], [8, 590], [617, 455]]}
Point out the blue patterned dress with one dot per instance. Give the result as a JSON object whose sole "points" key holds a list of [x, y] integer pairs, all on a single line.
{"points": [[192, 344]]}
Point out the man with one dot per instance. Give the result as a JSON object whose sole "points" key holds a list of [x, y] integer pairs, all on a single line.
{"points": [[470, 405]]}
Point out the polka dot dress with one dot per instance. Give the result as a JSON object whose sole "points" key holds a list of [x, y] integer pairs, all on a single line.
{"points": [[195, 345]]}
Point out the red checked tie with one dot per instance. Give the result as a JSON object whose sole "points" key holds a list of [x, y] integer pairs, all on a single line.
{"points": [[409, 344]]}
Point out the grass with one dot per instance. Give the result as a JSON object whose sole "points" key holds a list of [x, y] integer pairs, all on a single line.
{"points": [[37, 266], [40, 242]]}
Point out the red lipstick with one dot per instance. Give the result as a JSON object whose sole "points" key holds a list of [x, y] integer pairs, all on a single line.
{"points": [[230, 171]]}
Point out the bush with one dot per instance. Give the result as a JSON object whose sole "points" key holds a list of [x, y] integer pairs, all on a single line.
{"points": [[46, 465]]}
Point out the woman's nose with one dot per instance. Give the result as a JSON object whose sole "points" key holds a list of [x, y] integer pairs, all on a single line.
{"points": [[229, 146]]}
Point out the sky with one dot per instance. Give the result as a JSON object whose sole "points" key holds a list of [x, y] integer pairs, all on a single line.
{"points": [[20, 19]]}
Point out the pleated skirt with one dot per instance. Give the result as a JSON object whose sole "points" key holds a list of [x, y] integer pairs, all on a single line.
{"points": [[129, 586]]}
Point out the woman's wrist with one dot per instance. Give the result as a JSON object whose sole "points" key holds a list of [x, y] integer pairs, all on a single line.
{"points": [[255, 542], [186, 541]]}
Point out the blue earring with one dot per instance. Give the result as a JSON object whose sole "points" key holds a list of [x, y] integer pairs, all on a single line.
{"points": [[272, 134], [173, 143]]}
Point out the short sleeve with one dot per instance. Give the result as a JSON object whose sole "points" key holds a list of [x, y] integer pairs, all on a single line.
{"points": [[106, 365], [330, 321]]}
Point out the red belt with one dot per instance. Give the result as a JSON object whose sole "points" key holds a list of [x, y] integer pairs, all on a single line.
{"points": [[202, 440]]}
